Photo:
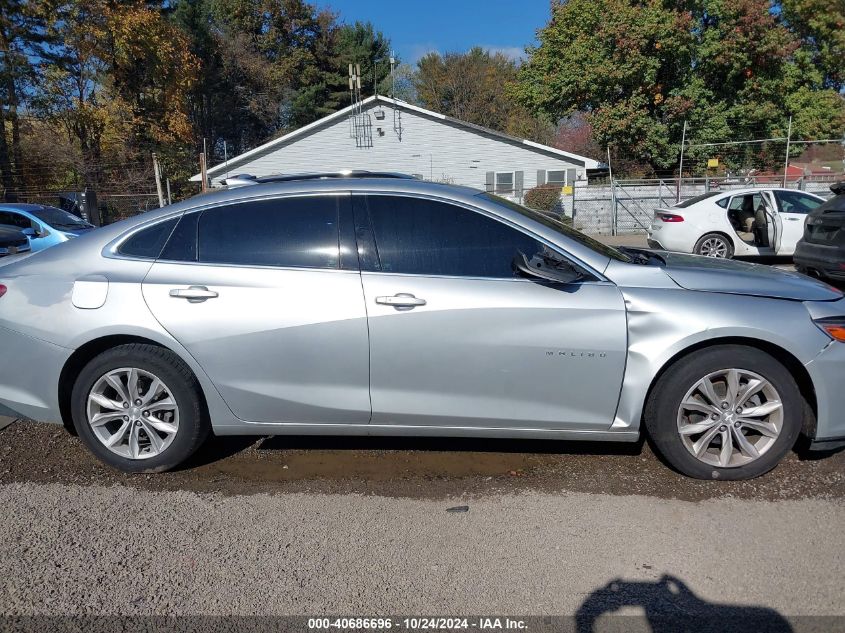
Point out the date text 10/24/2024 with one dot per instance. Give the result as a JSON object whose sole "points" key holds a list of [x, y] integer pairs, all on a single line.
{"points": [[416, 624]]}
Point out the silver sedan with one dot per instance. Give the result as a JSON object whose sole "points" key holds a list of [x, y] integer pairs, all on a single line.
{"points": [[374, 304]]}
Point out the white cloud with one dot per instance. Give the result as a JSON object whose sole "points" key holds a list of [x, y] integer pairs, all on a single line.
{"points": [[416, 51], [516, 53]]}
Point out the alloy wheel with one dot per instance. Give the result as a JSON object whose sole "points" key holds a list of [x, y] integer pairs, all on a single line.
{"points": [[714, 247], [133, 413], [730, 418]]}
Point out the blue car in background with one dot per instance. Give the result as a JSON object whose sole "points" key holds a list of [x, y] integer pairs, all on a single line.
{"points": [[44, 225]]}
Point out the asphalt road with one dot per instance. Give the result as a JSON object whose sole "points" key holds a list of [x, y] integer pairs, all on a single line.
{"points": [[361, 526]]}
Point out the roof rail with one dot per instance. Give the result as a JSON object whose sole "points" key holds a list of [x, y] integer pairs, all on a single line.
{"points": [[248, 179]]}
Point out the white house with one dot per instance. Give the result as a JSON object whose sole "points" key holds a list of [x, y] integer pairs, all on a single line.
{"points": [[384, 134]]}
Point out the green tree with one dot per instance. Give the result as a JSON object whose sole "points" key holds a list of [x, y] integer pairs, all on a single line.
{"points": [[732, 69], [358, 43], [820, 25]]}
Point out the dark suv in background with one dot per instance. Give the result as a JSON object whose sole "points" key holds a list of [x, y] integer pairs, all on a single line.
{"points": [[821, 252]]}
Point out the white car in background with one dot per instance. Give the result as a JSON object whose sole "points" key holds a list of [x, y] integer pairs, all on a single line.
{"points": [[739, 223]]}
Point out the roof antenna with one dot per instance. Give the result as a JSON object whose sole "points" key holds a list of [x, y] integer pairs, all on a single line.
{"points": [[392, 74], [375, 77]]}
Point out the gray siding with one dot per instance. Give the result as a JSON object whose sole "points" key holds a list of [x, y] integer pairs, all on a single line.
{"points": [[431, 147]]}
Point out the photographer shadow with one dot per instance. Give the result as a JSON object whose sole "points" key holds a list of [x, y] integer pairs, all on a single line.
{"points": [[669, 605]]}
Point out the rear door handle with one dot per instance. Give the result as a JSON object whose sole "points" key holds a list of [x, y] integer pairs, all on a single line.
{"points": [[194, 294], [401, 300]]}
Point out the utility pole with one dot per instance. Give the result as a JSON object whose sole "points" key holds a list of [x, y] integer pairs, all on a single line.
{"points": [[157, 171], [786, 162], [392, 75], [169, 199], [204, 167], [203, 174], [681, 166], [612, 195]]}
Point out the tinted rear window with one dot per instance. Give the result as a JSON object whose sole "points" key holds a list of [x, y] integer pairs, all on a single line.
{"points": [[182, 245], [696, 199], [288, 232], [147, 243]]}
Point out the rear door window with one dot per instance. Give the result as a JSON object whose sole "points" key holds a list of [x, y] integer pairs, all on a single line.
{"points": [[747, 202], [299, 232]]}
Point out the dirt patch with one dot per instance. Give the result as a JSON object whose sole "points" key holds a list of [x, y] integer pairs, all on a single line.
{"points": [[410, 467]]}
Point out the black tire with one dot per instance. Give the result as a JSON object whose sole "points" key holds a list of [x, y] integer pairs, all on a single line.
{"points": [[193, 427], [728, 245], [662, 408]]}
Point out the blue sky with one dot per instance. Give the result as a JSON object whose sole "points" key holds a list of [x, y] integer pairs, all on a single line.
{"points": [[417, 27]]}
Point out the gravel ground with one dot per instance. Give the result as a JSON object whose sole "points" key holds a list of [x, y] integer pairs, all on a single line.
{"points": [[329, 526], [73, 549]]}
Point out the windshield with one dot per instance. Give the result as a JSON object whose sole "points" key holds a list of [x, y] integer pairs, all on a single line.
{"points": [[58, 218], [560, 227], [692, 201]]}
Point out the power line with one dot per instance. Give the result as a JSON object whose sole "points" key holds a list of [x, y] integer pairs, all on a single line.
{"points": [[760, 140]]}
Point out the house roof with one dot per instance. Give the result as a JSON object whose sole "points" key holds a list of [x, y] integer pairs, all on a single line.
{"points": [[312, 127]]}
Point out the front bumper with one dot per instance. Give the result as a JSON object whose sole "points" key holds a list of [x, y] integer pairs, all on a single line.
{"points": [[826, 371], [827, 445], [29, 376]]}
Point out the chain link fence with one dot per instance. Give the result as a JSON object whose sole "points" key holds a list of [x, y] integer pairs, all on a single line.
{"points": [[112, 207], [628, 206]]}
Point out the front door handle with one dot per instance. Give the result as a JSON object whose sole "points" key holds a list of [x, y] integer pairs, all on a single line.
{"points": [[401, 300], [794, 219], [194, 294]]}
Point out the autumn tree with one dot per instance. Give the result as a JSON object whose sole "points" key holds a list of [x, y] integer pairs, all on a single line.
{"points": [[116, 81], [467, 86], [22, 41], [637, 71], [472, 87]]}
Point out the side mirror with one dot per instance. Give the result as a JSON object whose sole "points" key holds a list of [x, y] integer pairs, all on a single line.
{"points": [[546, 268], [30, 232]]}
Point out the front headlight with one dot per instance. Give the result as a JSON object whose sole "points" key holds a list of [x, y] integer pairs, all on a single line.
{"points": [[834, 327]]}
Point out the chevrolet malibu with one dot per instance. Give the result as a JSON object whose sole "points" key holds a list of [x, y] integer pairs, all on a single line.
{"points": [[376, 304]]}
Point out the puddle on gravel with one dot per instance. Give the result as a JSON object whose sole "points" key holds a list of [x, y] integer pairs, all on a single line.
{"points": [[431, 468]]}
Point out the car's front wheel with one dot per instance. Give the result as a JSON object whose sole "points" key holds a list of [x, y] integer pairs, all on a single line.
{"points": [[138, 408], [725, 412], [714, 245]]}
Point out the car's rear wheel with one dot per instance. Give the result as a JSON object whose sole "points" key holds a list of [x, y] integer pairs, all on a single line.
{"points": [[138, 408], [725, 412], [714, 245]]}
